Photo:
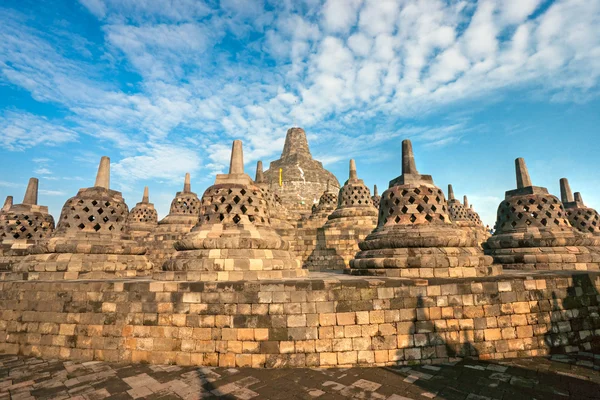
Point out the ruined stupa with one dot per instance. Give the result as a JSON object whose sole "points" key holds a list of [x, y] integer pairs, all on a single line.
{"points": [[415, 236], [296, 177], [353, 219], [233, 239], [90, 240], [183, 215], [580, 216], [22, 226], [143, 218], [278, 215], [376, 197], [533, 231]]}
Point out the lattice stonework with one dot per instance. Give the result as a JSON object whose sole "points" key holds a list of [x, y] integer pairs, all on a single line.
{"points": [[538, 211], [457, 211], [88, 215], [407, 206], [29, 226], [144, 215], [185, 203], [585, 219], [354, 196], [327, 200], [222, 205], [376, 200], [474, 217]]}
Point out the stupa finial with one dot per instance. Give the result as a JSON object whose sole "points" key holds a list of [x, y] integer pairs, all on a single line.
{"points": [[353, 174], [578, 198], [236, 164], [187, 185], [7, 203], [146, 197], [31, 194], [450, 192], [466, 201], [103, 175], [260, 176], [523, 179], [566, 196], [408, 158], [375, 191]]}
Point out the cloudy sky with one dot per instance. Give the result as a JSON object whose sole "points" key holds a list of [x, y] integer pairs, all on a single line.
{"points": [[164, 86]]}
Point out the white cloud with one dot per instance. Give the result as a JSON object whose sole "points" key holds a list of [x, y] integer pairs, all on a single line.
{"points": [[340, 15], [20, 131], [42, 171]]}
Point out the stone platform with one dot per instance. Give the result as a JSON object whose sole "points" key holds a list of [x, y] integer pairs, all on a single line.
{"points": [[324, 320]]}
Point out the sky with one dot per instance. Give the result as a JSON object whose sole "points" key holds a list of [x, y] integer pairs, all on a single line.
{"points": [[163, 87]]}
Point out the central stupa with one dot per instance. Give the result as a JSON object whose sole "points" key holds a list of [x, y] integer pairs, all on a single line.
{"points": [[296, 178]]}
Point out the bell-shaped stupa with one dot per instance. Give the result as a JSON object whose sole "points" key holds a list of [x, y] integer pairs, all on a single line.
{"points": [[376, 197], [581, 217], [143, 218], [415, 236], [296, 177], [183, 215], [279, 216], [352, 220], [326, 205], [23, 226], [533, 231], [233, 239], [90, 239], [465, 216]]}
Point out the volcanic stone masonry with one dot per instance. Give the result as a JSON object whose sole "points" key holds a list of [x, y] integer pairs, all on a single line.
{"points": [[22, 226], [533, 231], [143, 218], [303, 178], [415, 237], [581, 217], [90, 240], [233, 239], [353, 219], [183, 215]]}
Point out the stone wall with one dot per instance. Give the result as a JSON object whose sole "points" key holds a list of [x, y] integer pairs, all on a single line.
{"points": [[326, 321]]}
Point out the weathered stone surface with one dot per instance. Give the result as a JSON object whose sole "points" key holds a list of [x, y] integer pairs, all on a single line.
{"points": [[376, 197], [415, 236], [533, 231], [581, 217], [465, 217], [233, 239], [143, 218], [303, 179]]}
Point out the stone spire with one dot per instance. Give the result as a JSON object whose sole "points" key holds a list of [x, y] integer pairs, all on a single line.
{"points": [[410, 175], [578, 198], [450, 192], [376, 198], [236, 173], [295, 143], [145, 197], [353, 174], [103, 176], [260, 176], [7, 203], [375, 191], [566, 196], [466, 201], [523, 179], [31, 194], [187, 185]]}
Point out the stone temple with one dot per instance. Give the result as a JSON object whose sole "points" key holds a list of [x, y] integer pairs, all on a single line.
{"points": [[296, 178], [247, 276]]}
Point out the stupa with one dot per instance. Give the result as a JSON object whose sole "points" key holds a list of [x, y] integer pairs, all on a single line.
{"points": [[233, 239], [465, 217], [296, 177], [415, 236], [326, 205], [22, 226], [471, 213], [143, 218], [353, 219], [278, 215], [183, 215], [580, 216], [376, 197], [90, 240], [533, 231]]}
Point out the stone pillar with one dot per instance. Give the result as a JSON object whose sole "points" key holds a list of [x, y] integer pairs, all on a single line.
{"points": [[450, 192], [375, 191], [7, 203], [578, 198], [408, 158], [146, 196], [187, 186], [260, 176], [353, 174], [103, 176], [31, 194], [466, 201], [523, 179], [566, 196], [236, 165]]}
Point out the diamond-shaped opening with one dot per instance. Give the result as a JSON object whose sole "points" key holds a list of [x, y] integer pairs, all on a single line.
{"points": [[526, 208], [110, 228], [222, 199], [251, 218], [243, 192], [548, 214], [534, 215], [556, 222], [520, 216], [413, 218], [97, 227], [236, 218], [86, 209], [544, 221], [513, 223], [105, 219], [94, 202], [397, 219], [528, 222], [411, 200], [539, 207], [519, 202], [100, 211], [531, 201], [244, 209], [228, 208], [417, 191], [552, 206], [216, 208], [512, 209], [544, 200], [404, 209], [107, 204], [392, 194], [221, 217], [433, 208], [429, 218], [91, 218], [81, 226], [236, 199], [425, 199], [250, 201], [420, 208]]}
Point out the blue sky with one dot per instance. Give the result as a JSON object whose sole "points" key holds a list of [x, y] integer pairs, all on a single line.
{"points": [[164, 86]]}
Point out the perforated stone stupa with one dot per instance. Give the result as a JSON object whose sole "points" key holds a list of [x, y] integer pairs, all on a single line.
{"points": [[143, 218], [183, 215], [465, 217], [415, 236], [533, 231], [352, 220], [278, 215], [326, 205], [22, 226], [303, 179], [376, 197], [90, 239], [233, 239], [581, 217]]}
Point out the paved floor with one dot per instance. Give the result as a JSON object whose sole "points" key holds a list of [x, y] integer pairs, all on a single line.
{"points": [[561, 377]]}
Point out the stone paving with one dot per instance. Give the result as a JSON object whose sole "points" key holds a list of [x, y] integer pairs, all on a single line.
{"points": [[560, 377]]}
